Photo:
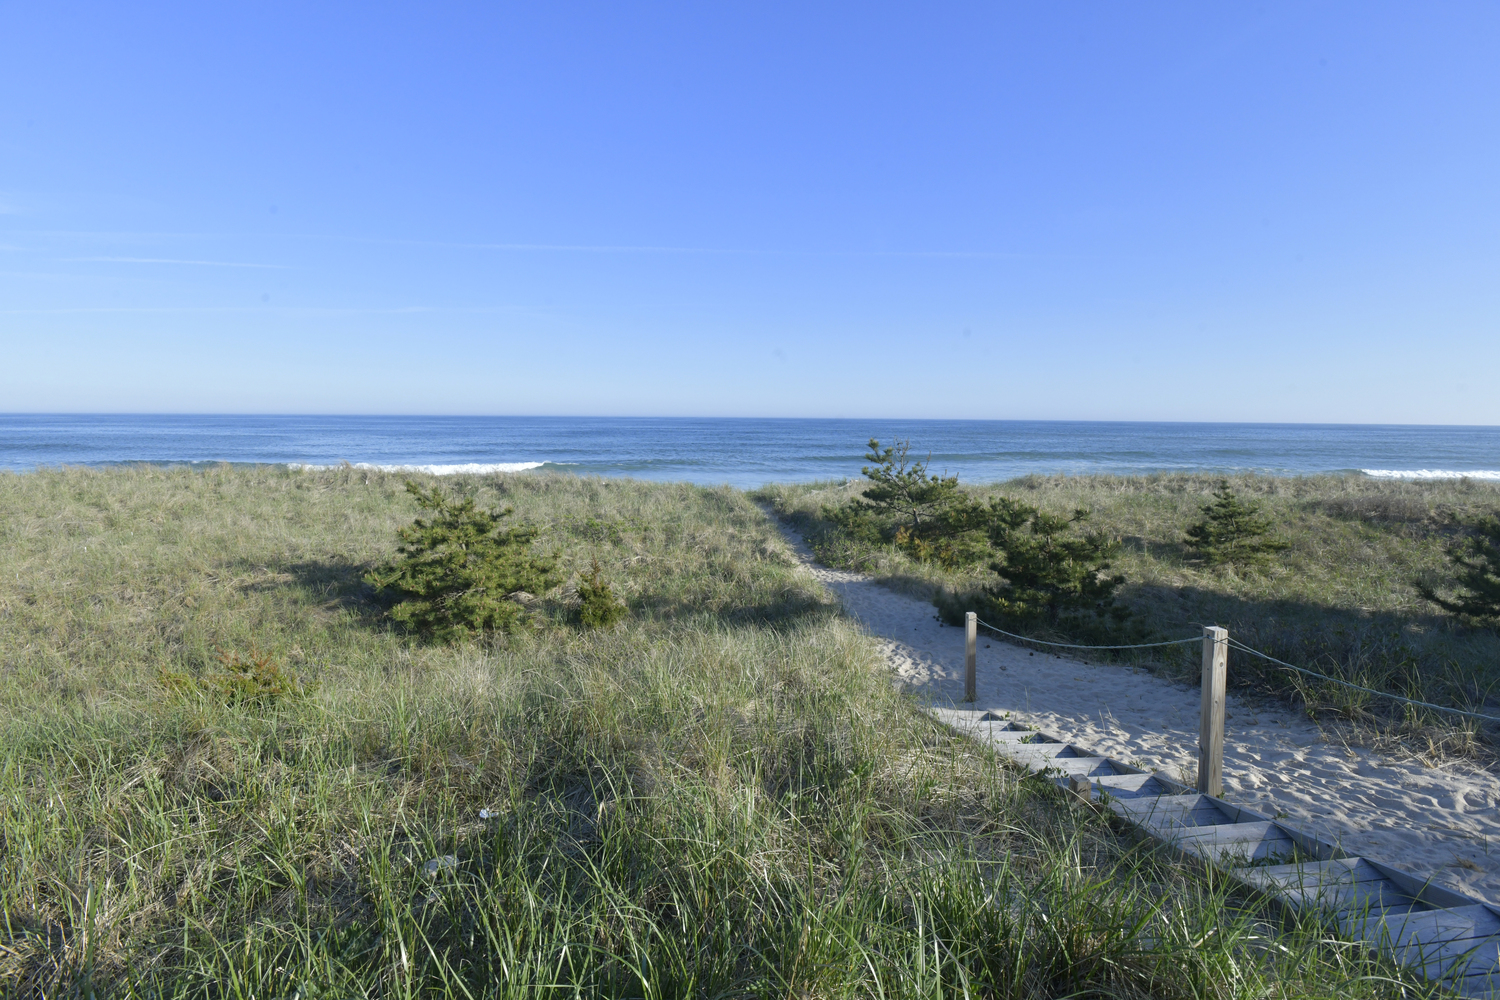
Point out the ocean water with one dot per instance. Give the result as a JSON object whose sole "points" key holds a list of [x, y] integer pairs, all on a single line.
{"points": [[747, 452]]}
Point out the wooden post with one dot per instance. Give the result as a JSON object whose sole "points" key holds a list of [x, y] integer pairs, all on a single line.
{"points": [[971, 636], [1211, 723]]}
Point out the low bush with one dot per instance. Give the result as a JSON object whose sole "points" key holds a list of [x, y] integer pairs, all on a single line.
{"points": [[600, 608], [457, 568], [1049, 570], [927, 516], [1049, 573], [1233, 532], [1053, 577]]}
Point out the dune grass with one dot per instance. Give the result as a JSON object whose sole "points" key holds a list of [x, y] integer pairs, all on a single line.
{"points": [[722, 796], [1341, 599]]}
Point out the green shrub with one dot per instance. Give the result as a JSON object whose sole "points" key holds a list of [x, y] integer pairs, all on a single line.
{"points": [[924, 515], [856, 522], [1048, 570], [600, 609], [457, 568], [1049, 574], [1476, 557], [1232, 532]]}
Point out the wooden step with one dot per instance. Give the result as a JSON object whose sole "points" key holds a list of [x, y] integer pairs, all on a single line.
{"points": [[1138, 784], [1086, 767], [1350, 887], [1168, 812], [1013, 737], [1235, 845], [1456, 942], [1444, 935], [1026, 752], [1481, 984]]}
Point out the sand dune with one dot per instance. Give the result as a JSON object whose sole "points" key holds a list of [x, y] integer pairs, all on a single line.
{"points": [[1440, 822]]}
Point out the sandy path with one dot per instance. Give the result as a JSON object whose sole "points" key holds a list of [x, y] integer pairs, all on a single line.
{"points": [[1438, 822]]}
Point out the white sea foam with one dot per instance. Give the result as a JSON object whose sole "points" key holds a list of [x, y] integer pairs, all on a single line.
{"points": [[470, 468], [1431, 474]]}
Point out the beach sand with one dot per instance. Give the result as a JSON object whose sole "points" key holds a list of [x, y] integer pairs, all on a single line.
{"points": [[1439, 822]]}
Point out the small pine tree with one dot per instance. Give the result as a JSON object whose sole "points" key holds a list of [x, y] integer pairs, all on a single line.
{"points": [[906, 492], [1476, 557], [456, 568], [926, 516], [600, 609], [1232, 532], [1049, 571]]}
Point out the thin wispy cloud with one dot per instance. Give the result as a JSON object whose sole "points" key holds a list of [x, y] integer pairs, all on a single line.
{"points": [[264, 309], [172, 260], [592, 248], [630, 248], [585, 248]]}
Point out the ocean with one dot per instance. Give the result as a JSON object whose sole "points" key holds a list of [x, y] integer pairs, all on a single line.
{"points": [[746, 452]]}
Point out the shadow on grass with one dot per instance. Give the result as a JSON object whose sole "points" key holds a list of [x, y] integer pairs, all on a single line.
{"points": [[1423, 656], [332, 583], [792, 607], [1171, 552], [339, 584]]}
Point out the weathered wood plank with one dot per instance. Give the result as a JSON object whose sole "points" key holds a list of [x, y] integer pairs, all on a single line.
{"points": [[1014, 737], [1040, 751], [1088, 767], [1444, 925], [1138, 785], [1482, 985], [1454, 960], [1360, 902], [1172, 811], [1234, 844], [1420, 888], [1211, 721], [1312, 874], [1441, 943], [971, 680]]}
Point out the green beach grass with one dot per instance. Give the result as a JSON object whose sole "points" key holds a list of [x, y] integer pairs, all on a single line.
{"points": [[722, 796]]}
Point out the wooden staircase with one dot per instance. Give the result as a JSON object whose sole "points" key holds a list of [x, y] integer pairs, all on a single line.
{"points": [[1446, 936]]}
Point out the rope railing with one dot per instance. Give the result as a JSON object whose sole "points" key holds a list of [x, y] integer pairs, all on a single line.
{"points": [[1216, 647], [1075, 645], [1236, 644], [1359, 687]]}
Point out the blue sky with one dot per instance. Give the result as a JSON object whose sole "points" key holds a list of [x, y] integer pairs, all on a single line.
{"points": [[1225, 211]]}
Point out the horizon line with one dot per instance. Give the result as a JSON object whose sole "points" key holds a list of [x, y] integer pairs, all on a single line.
{"points": [[581, 416]]}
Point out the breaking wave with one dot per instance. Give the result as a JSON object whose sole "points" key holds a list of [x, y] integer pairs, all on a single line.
{"points": [[464, 468], [1431, 474]]}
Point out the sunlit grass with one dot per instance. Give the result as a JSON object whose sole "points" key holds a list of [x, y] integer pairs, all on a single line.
{"points": [[723, 796]]}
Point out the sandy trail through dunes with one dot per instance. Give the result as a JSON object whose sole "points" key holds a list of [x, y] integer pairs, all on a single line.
{"points": [[1439, 822]]}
